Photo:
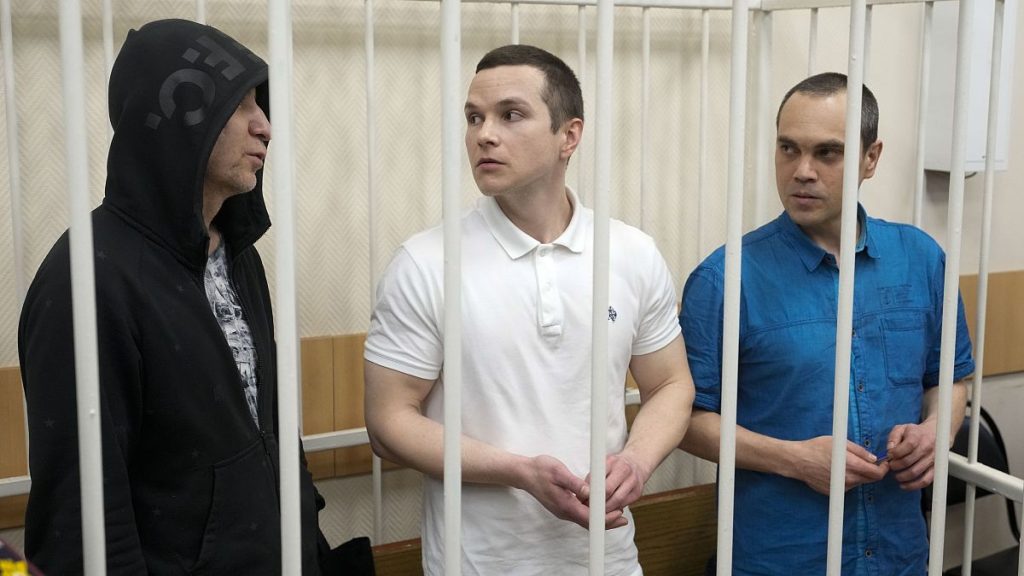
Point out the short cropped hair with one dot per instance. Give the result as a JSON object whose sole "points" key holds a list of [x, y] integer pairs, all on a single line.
{"points": [[561, 91], [829, 84]]}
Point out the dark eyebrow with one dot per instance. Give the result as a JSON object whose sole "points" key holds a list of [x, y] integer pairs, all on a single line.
{"points": [[784, 140], [832, 144], [504, 103]]}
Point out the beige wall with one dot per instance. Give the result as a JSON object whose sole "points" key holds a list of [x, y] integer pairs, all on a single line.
{"points": [[334, 283]]}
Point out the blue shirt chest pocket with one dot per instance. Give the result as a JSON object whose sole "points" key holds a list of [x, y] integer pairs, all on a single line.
{"points": [[906, 341]]}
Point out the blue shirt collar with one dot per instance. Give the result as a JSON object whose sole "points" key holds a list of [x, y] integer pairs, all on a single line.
{"points": [[813, 255]]}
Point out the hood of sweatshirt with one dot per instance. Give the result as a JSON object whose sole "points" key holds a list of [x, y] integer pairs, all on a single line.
{"points": [[173, 87]]}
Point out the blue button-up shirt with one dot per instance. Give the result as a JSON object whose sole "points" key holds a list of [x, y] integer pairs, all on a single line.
{"points": [[789, 300]]}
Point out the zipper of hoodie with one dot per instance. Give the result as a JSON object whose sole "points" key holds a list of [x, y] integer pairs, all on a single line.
{"points": [[260, 403]]}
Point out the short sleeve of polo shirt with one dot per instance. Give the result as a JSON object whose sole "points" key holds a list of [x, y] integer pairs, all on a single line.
{"points": [[658, 325], [404, 334], [700, 317], [963, 360]]}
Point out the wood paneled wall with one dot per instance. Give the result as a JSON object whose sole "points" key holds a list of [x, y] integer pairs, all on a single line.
{"points": [[1004, 320]]}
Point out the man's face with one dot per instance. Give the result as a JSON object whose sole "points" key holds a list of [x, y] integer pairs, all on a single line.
{"points": [[809, 161], [240, 150], [511, 147]]}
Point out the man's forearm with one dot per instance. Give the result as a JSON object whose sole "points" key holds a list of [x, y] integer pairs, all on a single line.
{"points": [[754, 451], [659, 425], [930, 407]]}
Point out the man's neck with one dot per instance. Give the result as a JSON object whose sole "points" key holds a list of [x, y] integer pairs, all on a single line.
{"points": [[543, 215], [211, 206]]}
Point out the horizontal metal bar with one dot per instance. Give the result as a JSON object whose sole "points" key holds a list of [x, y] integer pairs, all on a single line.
{"points": [[338, 439], [632, 397], [986, 477], [762, 5], [683, 4], [15, 486], [773, 5]]}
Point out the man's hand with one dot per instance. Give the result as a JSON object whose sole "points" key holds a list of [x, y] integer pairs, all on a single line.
{"points": [[555, 487], [624, 484], [911, 451], [815, 458]]}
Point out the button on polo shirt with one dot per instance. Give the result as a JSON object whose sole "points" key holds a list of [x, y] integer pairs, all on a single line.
{"points": [[518, 244]]}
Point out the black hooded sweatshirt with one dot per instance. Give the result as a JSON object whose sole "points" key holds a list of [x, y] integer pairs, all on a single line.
{"points": [[190, 481]]}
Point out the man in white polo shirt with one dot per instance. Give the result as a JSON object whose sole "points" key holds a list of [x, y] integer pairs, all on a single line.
{"points": [[526, 316]]}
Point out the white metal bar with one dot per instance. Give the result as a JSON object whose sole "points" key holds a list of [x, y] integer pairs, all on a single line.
{"points": [[13, 155], [869, 11], [983, 268], [83, 288], [515, 23], [812, 43], [1020, 549], [599, 342], [731, 315], [337, 439], [108, 40], [764, 116], [581, 73], [774, 5], [924, 80], [451, 140], [279, 20], [958, 155], [986, 477], [681, 4], [645, 129], [201, 11], [376, 477], [702, 131], [767, 5], [844, 315], [15, 486]]}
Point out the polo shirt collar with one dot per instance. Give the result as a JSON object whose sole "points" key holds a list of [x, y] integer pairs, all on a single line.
{"points": [[517, 243], [813, 255]]}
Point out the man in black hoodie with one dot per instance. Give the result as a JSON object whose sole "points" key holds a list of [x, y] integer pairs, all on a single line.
{"points": [[186, 338]]}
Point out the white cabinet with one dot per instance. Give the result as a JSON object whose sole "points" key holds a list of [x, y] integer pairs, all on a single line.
{"points": [[943, 71]]}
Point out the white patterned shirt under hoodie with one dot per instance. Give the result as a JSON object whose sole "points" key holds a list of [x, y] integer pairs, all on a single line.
{"points": [[228, 313]]}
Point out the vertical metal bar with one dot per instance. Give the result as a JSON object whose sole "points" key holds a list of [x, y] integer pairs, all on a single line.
{"points": [[764, 123], [279, 20], [869, 11], [844, 318], [581, 73], [371, 209], [731, 315], [702, 166], [13, 156], [645, 129], [958, 156], [108, 47], [83, 290], [451, 155], [201, 11], [812, 43], [515, 23], [983, 262], [922, 110], [599, 342]]}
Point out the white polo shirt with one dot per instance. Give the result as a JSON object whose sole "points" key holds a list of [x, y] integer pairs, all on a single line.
{"points": [[526, 321]]}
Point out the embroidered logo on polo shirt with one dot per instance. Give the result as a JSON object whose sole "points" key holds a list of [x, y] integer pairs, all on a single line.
{"points": [[612, 314]]}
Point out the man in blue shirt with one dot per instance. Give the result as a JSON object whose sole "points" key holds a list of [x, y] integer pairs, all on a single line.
{"points": [[790, 287]]}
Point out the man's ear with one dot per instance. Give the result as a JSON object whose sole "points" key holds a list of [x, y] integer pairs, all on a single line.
{"points": [[870, 160], [572, 132]]}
